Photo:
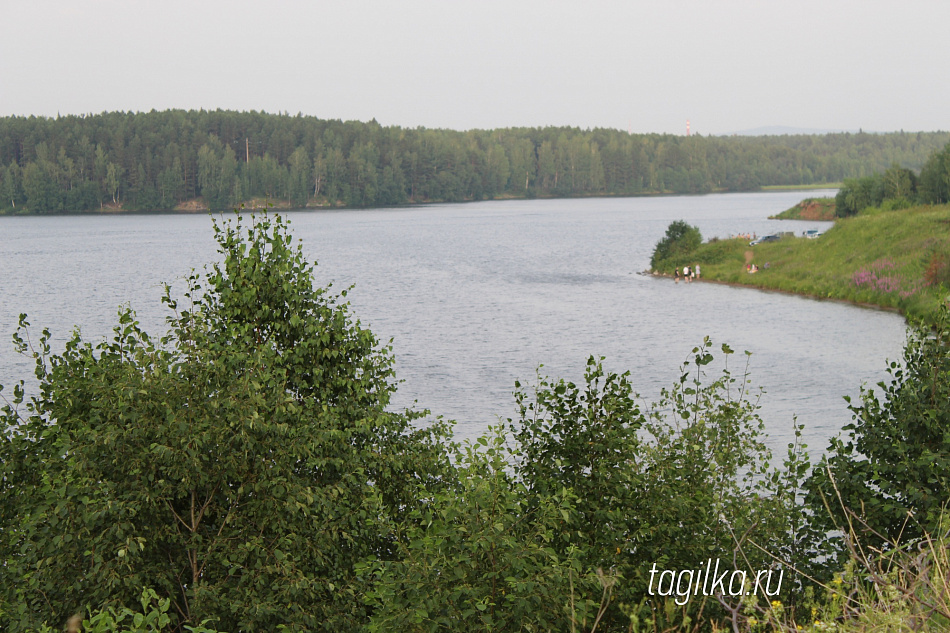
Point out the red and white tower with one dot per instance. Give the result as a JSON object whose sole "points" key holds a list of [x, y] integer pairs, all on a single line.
{"points": [[687, 127]]}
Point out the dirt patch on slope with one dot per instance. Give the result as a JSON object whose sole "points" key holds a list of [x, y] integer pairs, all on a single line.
{"points": [[816, 211]]}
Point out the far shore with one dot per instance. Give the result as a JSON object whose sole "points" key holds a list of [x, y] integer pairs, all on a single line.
{"points": [[197, 205]]}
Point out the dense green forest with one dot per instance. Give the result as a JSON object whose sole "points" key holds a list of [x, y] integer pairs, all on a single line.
{"points": [[220, 159]]}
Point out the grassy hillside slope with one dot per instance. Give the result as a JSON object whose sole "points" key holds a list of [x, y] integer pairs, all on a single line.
{"points": [[892, 259]]}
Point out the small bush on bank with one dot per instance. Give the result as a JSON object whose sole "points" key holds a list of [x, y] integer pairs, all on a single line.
{"points": [[680, 240]]}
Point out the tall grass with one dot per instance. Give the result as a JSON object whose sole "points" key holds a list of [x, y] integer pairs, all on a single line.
{"points": [[901, 587]]}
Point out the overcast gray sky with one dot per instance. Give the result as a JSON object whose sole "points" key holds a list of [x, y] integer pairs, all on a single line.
{"points": [[646, 66]]}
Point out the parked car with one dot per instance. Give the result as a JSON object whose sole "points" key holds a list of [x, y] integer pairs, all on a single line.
{"points": [[812, 234], [765, 238]]}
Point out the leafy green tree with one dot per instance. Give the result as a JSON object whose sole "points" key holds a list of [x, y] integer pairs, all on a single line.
{"points": [[521, 155], [319, 174], [336, 174], [857, 194], [229, 181], [482, 556], [890, 479], [300, 177], [152, 617], [585, 438], [143, 195], [43, 195], [237, 467], [934, 185], [363, 176], [171, 181], [680, 240], [112, 182], [547, 173], [218, 174], [899, 183], [265, 176], [392, 186], [596, 170], [497, 169], [10, 187], [675, 484], [82, 197]]}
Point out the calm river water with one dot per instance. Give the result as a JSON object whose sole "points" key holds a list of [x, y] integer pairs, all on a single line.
{"points": [[478, 295]]}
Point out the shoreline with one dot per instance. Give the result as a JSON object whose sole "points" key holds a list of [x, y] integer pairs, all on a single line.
{"points": [[733, 284], [191, 208], [891, 260]]}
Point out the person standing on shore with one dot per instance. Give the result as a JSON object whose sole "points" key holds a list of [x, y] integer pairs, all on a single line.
{"points": [[696, 270], [686, 274]]}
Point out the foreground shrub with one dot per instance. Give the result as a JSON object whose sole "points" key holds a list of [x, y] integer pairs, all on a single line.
{"points": [[482, 556], [236, 467], [890, 479], [675, 484], [151, 618]]}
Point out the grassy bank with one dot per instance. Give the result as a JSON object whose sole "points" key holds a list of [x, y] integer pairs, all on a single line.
{"points": [[892, 259]]}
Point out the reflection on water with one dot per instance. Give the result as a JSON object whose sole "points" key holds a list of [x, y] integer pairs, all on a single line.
{"points": [[478, 295]]}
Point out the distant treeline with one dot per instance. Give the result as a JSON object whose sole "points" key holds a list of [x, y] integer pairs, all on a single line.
{"points": [[160, 160]]}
